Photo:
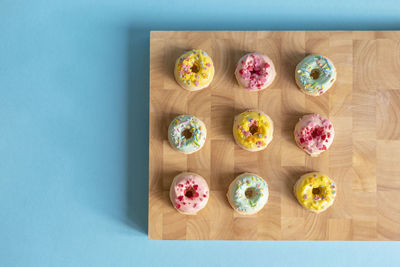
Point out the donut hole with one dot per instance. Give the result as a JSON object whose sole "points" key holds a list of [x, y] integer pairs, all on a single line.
{"points": [[187, 133], [314, 133], [195, 68], [253, 129], [315, 73], [250, 192], [190, 192], [316, 190]]}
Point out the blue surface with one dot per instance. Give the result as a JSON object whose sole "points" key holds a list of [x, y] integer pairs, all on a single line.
{"points": [[73, 152]]}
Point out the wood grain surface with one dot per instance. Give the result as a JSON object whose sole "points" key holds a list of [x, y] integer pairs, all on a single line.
{"points": [[364, 106]]}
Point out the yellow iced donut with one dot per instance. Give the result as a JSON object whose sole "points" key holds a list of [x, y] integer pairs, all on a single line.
{"points": [[194, 70], [253, 130], [315, 191]]}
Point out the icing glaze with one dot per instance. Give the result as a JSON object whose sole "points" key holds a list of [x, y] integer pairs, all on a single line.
{"points": [[189, 193], [315, 191], [194, 70], [314, 134], [255, 71], [315, 74], [248, 193], [187, 134], [253, 130]]}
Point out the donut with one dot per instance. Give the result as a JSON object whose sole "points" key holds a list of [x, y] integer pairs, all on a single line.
{"points": [[194, 70], [314, 134], [253, 130], [315, 191], [187, 134], [189, 193], [315, 74], [255, 72], [248, 193]]}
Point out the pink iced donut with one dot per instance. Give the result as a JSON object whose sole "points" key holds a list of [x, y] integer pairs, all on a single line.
{"points": [[314, 134], [255, 72], [189, 193]]}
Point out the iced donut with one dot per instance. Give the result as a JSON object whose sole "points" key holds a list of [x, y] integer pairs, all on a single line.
{"points": [[194, 70], [315, 191], [189, 193], [315, 74], [253, 130], [187, 134], [255, 72], [248, 193], [314, 134]]}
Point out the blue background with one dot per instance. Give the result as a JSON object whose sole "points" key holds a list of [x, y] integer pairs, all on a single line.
{"points": [[73, 130]]}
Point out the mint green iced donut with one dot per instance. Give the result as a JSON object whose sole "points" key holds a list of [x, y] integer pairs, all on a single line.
{"points": [[315, 74], [187, 134], [248, 193]]}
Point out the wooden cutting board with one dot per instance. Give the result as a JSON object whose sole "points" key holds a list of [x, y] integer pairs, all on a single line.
{"points": [[364, 160]]}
